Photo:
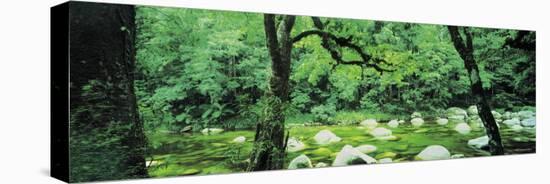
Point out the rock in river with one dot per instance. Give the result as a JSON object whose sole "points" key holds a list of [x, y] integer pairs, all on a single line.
{"points": [[369, 123], [239, 139], [530, 122], [366, 148], [479, 143], [511, 122], [299, 162], [416, 115], [385, 160], [393, 123], [380, 132], [294, 145], [472, 110], [416, 122], [351, 156], [456, 112], [442, 121], [211, 131], [463, 128], [434, 152], [326, 137], [321, 164]]}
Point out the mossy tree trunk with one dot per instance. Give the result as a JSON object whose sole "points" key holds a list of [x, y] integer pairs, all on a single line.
{"points": [[106, 135], [268, 152], [465, 49]]}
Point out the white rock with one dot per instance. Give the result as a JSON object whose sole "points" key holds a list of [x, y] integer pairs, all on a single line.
{"points": [[416, 122], [294, 145], [401, 121], [434, 152], [326, 137], [479, 143], [369, 123], [457, 118], [239, 139], [455, 111], [321, 164], [526, 114], [472, 110], [380, 132], [366, 149], [530, 122], [351, 156], [511, 122], [457, 156], [301, 161], [211, 131], [385, 160], [393, 123], [507, 115], [516, 128], [463, 128], [496, 114], [442, 121], [416, 115]]}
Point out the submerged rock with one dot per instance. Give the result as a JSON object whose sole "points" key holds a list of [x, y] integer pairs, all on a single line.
{"points": [[322, 152], [380, 132], [211, 131], [240, 139], [393, 123], [388, 138], [457, 156], [369, 123], [385, 155], [516, 128], [463, 128], [417, 122], [442, 121], [434, 152], [190, 172], [416, 115], [530, 122], [351, 156], [479, 143], [366, 148], [321, 164], [526, 114], [299, 162], [294, 145], [496, 114], [326, 137]]}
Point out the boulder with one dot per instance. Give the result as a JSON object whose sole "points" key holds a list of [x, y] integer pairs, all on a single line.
{"points": [[366, 148], [393, 123], [511, 122], [351, 156], [239, 139], [326, 137], [530, 122], [472, 110], [507, 115], [456, 112], [299, 162], [496, 114], [434, 152], [380, 132], [479, 143], [321, 164], [369, 123], [516, 128], [416, 122], [416, 115], [463, 128], [211, 131], [385, 160], [187, 128], [457, 119], [442, 121], [526, 114], [294, 145], [401, 121]]}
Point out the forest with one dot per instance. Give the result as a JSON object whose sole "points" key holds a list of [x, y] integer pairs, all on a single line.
{"points": [[159, 92]]}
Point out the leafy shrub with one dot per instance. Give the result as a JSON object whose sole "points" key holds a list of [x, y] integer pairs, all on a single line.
{"points": [[323, 113]]}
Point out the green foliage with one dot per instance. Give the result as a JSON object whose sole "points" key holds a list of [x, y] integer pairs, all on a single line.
{"points": [[323, 113]]}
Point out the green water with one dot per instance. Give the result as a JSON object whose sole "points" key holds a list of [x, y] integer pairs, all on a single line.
{"points": [[190, 154]]}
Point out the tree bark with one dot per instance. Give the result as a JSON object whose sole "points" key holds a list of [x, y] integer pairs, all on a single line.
{"points": [[268, 152], [466, 52], [106, 135]]}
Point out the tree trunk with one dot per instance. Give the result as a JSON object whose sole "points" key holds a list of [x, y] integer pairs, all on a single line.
{"points": [[106, 135], [268, 152], [466, 52]]}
